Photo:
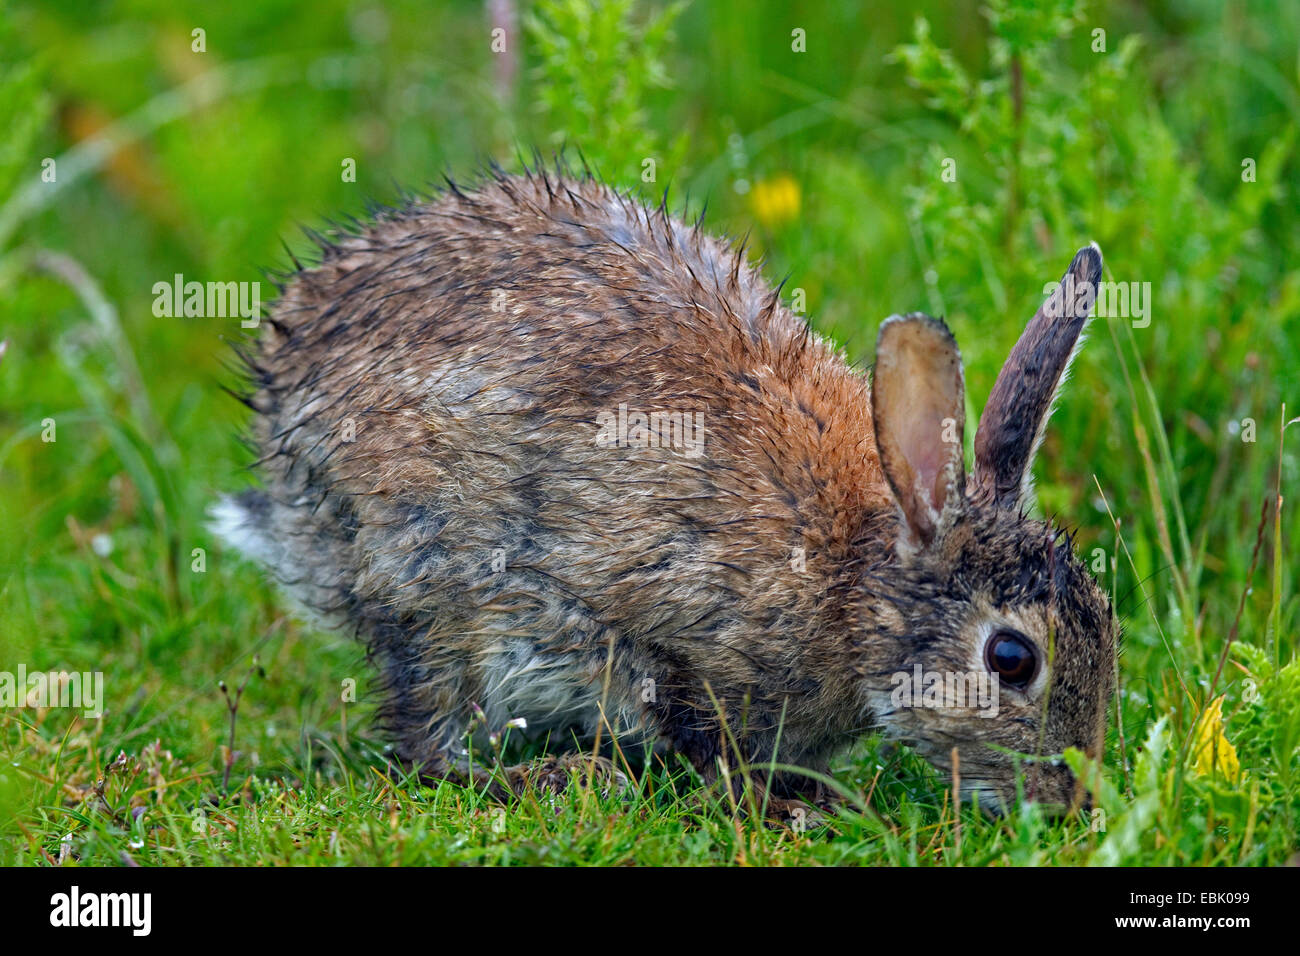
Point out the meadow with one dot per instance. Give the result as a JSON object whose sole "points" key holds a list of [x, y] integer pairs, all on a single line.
{"points": [[884, 157]]}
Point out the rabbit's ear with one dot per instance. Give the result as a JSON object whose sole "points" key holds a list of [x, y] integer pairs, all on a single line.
{"points": [[1021, 401], [918, 403]]}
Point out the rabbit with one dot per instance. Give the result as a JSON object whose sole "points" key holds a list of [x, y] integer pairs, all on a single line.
{"points": [[568, 464]]}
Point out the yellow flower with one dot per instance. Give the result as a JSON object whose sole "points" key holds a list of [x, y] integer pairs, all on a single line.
{"points": [[776, 200], [1211, 751]]}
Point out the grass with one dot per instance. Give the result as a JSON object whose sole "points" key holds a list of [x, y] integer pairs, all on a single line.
{"points": [[1168, 451]]}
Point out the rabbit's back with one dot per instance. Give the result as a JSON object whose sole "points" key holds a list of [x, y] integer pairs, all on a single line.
{"points": [[457, 464]]}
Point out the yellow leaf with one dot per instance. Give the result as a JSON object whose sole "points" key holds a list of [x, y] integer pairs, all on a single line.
{"points": [[1211, 752]]}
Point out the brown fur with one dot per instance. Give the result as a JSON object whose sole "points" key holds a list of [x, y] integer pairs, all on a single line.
{"points": [[468, 344]]}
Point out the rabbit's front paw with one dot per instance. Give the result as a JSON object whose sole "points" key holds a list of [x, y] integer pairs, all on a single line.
{"points": [[799, 815], [555, 774]]}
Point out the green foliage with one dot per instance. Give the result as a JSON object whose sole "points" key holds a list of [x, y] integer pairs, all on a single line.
{"points": [[24, 111], [596, 69], [1268, 720], [1172, 147]]}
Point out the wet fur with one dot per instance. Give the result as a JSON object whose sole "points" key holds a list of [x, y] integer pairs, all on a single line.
{"points": [[670, 578]]}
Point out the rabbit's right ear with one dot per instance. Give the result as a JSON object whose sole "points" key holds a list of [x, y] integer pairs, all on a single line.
{"points": [[918, 403]]}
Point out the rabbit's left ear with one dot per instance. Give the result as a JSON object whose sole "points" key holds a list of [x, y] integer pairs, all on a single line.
{"points": [[918, 404], [1021, 401]]}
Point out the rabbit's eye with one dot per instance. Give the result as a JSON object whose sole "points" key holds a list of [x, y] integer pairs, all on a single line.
{"points": [[1012, 658]]}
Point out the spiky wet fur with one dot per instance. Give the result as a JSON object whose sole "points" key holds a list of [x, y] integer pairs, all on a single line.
{"points": [[469, 341]]}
